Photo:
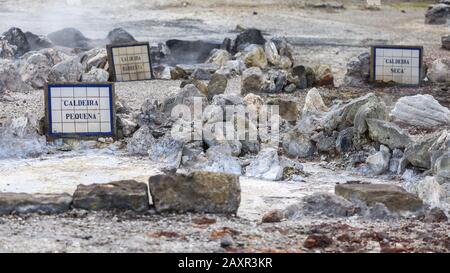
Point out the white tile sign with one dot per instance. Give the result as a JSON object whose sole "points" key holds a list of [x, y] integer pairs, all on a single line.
{"points": [[402, 65], [80, 110], [130, 62]]}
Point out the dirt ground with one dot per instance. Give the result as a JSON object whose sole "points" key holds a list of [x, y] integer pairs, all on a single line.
{"points": [[319, 36]]}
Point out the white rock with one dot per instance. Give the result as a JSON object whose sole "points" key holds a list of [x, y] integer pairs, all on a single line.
{"points": [[19, 138], [219, 57], [95, 75], [266, 165], [314, 103], [379, 162], [440, 70], [35, 70], [67, 71], [429, 191], [420, 111], [9, 76]]}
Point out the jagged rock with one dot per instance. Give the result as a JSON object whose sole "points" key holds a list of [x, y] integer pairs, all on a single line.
{"points": [[271, 51], [373, 109], [439, 70], [96, 57], [275, 81], [35, 70], [37, 42], [167, 151], [10, 78], [298, 76], [178, 73], [290, 88], [419, 152], [233, 67], [95, 75], [288, 109], [199, 192], [442, 168], [201, 86], [344, 140], [7, 51], [247, 37], [342, 116], [437, 14], [298, 145], [283, 47], [435, 215], [396, 164], [66, 71], [120, 195], [314, 103], [387, 133], [324, 143], [253, 102], [126, 125], [19, 138], [266, 165], [358, 71], [186, 96], [217, 85], [201, 74], [323, 75], [22, 203], [379, 162], [218, 161], [328, 204], [395, 198], [69, 37], [420, 111], [219, 57], [252, 81], [17, 38], [120, 36], [141, 141], [429, 191], [273, 216], [254, 56]]}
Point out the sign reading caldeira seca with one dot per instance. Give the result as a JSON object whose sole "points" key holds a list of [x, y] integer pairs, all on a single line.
{"points": [[80, 110], [398, 64]]}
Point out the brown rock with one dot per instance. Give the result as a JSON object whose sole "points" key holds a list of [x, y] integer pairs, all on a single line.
{"points": [[395, 198]]}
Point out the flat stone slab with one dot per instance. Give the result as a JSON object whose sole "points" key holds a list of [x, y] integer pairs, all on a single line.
{"points": [[200, 192], [189, 68], [120, 195], [395, 198], [23, 203]]}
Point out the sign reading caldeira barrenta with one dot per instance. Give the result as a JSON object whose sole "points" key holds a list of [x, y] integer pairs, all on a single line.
{"points": [[80, 110], [130, 62], [396, 64]]}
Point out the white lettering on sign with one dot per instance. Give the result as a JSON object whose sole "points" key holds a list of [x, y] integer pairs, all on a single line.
{"points": [[84, 109], [399, 65]]}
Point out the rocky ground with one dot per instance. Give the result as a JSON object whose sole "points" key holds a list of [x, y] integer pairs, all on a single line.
{"points": [[338, 133]]}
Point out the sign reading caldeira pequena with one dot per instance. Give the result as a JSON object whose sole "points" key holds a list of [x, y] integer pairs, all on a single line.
{"points": [[80, 110]]}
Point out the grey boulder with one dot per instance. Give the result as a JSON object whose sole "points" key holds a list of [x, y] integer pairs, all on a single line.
{"points": [[199, 192], [120, 195]]}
